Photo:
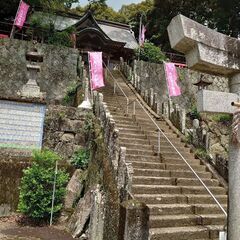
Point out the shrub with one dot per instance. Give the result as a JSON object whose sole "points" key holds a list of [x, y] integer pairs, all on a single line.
{"points": [[151, 53], [37, 185], [80, 158]]}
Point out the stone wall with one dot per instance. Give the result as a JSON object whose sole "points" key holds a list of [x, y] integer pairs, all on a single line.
{"points": [[63, 133], [64, 130], [151, 76], [59, 68]]}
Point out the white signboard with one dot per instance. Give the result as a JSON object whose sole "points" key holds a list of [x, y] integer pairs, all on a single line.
{"points": [[21, 125]]}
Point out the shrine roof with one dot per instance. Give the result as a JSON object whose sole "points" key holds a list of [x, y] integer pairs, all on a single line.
{"points": [[118, 32]]}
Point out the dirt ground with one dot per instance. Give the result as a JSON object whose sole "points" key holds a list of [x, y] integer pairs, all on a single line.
{"points": [[11, 228]]}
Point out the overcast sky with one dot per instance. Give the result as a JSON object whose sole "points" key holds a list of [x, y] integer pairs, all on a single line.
{"points": [[116, 4]]}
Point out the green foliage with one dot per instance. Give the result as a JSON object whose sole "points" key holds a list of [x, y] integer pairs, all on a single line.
{"points": [[80, 158], [102, 12], [193, 113], [202, 154], [89, 124], [42, 28], [222, 118], [133, 12], [71, 92], [37, 185], [151, 53]]}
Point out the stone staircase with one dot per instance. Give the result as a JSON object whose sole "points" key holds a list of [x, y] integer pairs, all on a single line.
{"points": [[180, 207]]}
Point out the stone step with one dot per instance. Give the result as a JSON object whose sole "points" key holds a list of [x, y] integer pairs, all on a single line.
{"points": [[186, 220], [130, 128], [173, 181], [179, 198], [134, 141], [136, 145], [170, 209], [180, 161], [144, 152], [137, 157], [179, 233], [167, 189], [131, 136], [167, 166], [183, 166], [174, 154], [169, 173], [176, 209]]}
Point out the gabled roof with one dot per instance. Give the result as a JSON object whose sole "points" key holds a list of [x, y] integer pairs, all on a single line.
{"points": [[116, 32]]}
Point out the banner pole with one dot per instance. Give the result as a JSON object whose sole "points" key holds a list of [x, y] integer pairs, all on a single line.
{"points": [[166, 80], [13, 27], [90, 73], [140, 36]]}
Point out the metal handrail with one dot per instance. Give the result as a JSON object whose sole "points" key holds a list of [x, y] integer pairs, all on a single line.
{"points": [[193, 171], [116, 83]]}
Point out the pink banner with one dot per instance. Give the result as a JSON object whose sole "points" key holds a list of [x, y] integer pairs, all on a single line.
{"points": [[95, 60], [142, 36], [172, 79], [21, 14]]}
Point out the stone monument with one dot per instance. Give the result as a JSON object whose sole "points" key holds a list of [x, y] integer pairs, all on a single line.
{"points": [[211, 52]]}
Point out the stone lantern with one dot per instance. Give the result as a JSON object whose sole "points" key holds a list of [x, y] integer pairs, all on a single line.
{"points": [[31, 88], [202, 83]]}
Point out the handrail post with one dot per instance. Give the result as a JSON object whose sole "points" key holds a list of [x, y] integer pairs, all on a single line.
{"points": [[159, 142], [134, 108], [127, 105], [114, 87]]}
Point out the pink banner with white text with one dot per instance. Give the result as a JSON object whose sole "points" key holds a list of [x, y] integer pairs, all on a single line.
{"points": [[21, 14], [172, 79], [95, 60]]}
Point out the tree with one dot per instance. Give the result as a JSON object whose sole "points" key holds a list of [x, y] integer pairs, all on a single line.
{"points": [[102, 12], [8, 9], [133, 12], [221, 15]]}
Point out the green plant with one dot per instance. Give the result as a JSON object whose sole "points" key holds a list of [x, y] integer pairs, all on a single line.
{"points": [[193, 113], [71, 91], [150, 53], [80, 158], [201, 153], [221, 117], [88, 123], [37, 185], [189, 138]]}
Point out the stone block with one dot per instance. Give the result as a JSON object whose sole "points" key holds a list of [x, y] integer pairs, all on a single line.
{"points": [[73, 190], [215, 102], [206, 50], [97, 216], [81, 215], [134, 221]]}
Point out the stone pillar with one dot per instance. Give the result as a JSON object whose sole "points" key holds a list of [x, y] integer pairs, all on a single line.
{"points": [[134, 221], [96, 225], [234, 84], [234, 180]]}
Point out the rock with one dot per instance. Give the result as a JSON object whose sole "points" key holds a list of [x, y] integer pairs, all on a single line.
{"points": [[97, 216], [225, 140], [67, 137], [217, 149], [74, 189], [196, 123], [65, 150], [81, 215]]}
